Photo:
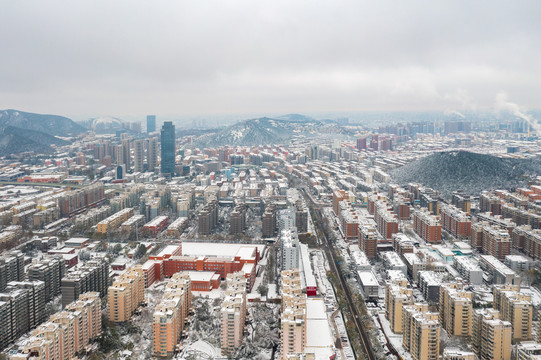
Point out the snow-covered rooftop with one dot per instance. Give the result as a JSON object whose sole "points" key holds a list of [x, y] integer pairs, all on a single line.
{"points": [[319, 339], [219, 249]]}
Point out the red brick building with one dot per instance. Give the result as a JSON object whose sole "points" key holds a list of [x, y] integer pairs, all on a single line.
{"points": [[368, 240], [386, 219], [221, 266], [456, 221], [427, 226], [337, 197]]}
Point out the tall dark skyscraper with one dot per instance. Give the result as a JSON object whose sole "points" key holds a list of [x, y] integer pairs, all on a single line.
{"points": [[168, 148], [151, 123]]}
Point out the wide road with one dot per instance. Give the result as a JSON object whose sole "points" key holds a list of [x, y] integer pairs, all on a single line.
{"points": [[331, 257]]}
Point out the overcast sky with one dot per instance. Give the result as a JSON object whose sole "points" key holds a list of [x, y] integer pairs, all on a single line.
{"points": [[209, 57]]}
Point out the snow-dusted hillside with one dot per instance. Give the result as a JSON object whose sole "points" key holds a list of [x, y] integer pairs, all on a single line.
{"points": [[267, 131], [471, 172]]}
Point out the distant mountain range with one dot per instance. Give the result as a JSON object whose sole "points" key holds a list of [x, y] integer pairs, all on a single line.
{"points": [[267, 131], [470, 172], [22, 131]]}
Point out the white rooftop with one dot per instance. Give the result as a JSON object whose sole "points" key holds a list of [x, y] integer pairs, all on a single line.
{"points": [[217, 249], [200, 275], [170, 249], [368, 278], [319, 339]]}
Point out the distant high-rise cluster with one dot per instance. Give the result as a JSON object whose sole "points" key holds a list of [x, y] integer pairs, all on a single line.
{"points": [[151, 123], [168, 148]]}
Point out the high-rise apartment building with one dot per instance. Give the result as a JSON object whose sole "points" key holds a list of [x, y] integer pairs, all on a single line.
{"points": [[455, 308], [22, 308], [301, 217], [495, 340], [11, 268], [66, 333], [138, 155], [92, 277], [151, 123], [456, 221], [421, 332], [233, 313], [269, 221], [126, 294], [171, 313], [293, 322], [152, 154], [238, 220], [168, 148], [396, 297], [516, 308], [478, 316], [126, 156], [496, 242], [427, 225], [208, 218], [361, 143], [368, 240], [337, 197]]}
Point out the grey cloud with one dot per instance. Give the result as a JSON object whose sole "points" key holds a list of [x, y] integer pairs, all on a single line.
{"points": [[204, 57]]}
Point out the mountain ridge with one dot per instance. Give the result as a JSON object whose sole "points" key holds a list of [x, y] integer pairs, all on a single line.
{"points": [[266, 131], [55, 125], [22, 131]]}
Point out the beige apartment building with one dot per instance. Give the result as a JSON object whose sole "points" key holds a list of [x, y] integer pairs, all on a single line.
{"points": [[293, 324], [491, 337], [114, 221], [495, 340], [291, 287], [66, 333], [171, 315], [421, 332], [455, 308], [515, 307], [126, 294], [396, 297], [233, 313]]}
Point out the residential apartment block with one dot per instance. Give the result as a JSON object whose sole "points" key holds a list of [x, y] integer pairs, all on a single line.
{"points": [[293, 322], [516, 308], [93, 276], [421, 332], [126, 294], [233, 313], [171, 315], [66, 333], [455, 308]]}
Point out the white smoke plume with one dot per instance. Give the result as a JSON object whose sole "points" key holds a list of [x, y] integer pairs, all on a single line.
{"points": [[503, 105], [454, 112]]}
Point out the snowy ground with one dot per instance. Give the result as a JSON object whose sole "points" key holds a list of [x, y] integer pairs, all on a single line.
{"points": [[203, 341], [394, 339], [143, 341]]}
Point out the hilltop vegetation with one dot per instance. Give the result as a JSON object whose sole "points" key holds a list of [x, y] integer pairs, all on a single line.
{"points": [[471, 172]]}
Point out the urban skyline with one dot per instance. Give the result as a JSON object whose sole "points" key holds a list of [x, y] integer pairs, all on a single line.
{"points": [[286, 180]]}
